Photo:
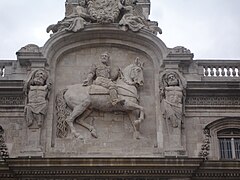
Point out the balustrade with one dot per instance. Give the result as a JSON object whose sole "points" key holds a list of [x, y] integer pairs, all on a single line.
{"points": [[5, 67], [213, 68], [2, 71]]}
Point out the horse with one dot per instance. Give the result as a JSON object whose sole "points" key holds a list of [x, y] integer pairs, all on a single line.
{"points": [[82, 101]]}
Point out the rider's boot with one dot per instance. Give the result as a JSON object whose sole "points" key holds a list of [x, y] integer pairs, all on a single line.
{"points": [[114, 97]]}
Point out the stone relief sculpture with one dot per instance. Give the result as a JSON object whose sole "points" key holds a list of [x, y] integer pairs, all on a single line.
{"points": [[3, 147], [103, 75], [206, 144], [103, 12], [105, 89], [37, 87], [172, 95], [134, 21], [73, 21]]}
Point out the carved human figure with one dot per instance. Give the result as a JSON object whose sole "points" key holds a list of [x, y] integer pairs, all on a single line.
{"points": [[74, 21], [101, 74], [172, 93], [130, 20], [133, 20], [37, 91]]}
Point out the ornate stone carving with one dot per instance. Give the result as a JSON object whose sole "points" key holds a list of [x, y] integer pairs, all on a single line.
{"points": [[75, 20], [172, 95], [36, 88], [104, 11], [134, 21], [30, 48], [180, 50], [213, 100], [83, 12], [12, 100], [206, 145], [3, 148], [111, 90]]}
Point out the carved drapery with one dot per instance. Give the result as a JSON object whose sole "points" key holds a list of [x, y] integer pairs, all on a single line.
{"points": [[3, 148]]}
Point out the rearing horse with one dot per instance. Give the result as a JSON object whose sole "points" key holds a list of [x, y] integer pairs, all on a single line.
{"points": [[82, 100]]}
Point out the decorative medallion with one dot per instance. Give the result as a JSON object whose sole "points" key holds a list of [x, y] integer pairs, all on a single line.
{"points": [[104, 11]]}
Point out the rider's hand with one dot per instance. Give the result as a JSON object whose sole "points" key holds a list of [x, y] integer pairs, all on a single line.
{"points": [[85, 82]]}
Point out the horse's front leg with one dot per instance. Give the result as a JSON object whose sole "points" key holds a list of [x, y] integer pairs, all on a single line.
{"points": [[86, 125]]}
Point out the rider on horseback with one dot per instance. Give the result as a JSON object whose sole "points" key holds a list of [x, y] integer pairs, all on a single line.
{"points": [[101, 73]]}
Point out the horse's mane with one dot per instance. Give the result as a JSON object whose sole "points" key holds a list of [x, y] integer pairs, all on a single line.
{"points": [[126, 73]]}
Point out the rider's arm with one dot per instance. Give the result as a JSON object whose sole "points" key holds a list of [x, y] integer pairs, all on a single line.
{"points": [[90, 75]]}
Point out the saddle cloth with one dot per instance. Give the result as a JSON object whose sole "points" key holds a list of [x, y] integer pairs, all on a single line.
{"points": [[98, 90]]}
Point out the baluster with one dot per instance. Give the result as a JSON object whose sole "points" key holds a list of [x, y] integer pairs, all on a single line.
{"points": [[220, 71], [234, 72], [205, 69], [238, 71], [1, 71], [217, 71], [224, 71], [212, 71], [228, 72]]}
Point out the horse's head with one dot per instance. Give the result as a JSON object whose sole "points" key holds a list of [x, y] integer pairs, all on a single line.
{"points": [[133, 74]]}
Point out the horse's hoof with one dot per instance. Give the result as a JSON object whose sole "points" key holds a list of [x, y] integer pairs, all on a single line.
{"points": [[94, 133], [137, 122], [78, 136], [136, 135]]}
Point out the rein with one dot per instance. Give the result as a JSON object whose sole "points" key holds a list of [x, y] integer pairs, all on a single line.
{"points": [[134, 95]]}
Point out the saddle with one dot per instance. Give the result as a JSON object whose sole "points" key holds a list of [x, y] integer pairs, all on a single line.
{"points": [[98, 90]]}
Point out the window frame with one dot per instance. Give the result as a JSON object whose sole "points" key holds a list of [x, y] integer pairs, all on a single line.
{"points": [[216, 126], [232, 137]]}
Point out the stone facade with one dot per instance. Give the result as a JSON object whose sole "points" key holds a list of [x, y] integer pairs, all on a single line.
{"points": [[146, 106]]}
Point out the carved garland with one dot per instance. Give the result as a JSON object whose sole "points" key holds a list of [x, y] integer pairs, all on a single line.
{"points": [[3, 148], [206, 144]]}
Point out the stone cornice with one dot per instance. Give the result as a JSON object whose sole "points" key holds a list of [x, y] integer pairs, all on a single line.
{"points": [[78, 168]]}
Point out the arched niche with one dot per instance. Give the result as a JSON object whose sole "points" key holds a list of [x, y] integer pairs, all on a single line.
{"points": [[70, 55], [218, 126]]}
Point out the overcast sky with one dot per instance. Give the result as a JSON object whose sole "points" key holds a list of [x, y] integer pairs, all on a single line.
{"points": [[209, 28]]}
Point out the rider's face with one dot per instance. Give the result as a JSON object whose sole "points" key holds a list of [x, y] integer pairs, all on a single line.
{"points": [[105, 59]]}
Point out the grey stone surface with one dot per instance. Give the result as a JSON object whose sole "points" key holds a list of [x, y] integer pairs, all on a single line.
{"points": [[209, 96]]}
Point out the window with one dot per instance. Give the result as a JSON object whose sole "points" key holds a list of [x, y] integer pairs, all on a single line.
{"points": [[229, 143]]}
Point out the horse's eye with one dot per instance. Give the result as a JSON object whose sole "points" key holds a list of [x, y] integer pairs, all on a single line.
{"points": [[138, 70]]}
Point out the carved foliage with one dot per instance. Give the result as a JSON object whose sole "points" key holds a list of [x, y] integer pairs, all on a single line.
{"points": [[103, 11], [62, 114], [3, 148], [206, 144]]}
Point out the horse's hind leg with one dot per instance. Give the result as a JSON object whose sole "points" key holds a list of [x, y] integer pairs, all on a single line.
{"points": [[77, 111]]}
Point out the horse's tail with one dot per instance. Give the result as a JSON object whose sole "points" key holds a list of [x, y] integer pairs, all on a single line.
{"points": [[62, 113]]}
